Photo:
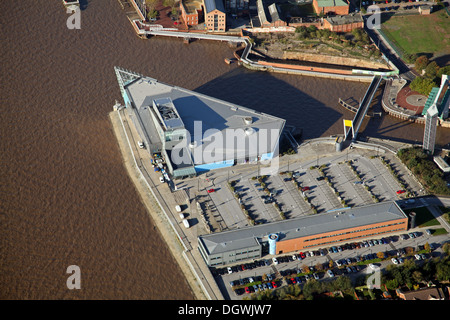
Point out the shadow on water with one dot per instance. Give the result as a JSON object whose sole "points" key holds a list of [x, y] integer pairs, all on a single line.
{"points": [[274, 95]]}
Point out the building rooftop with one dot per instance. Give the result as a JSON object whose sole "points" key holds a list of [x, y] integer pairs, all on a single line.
{"points": [[304, 226], [167, 113], [211, 5], [332, 3], [192, 6], [339, 20], [233, 130]]}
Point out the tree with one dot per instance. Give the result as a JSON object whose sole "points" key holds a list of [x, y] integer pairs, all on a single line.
{"points": [[443, 270], [443, 70], [421, 63], [417, 276], [330, 264], [422, 85], [431, 70], [380, 255], [392, 284]]}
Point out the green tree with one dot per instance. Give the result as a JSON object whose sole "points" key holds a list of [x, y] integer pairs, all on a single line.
{"points": [[421, 63], [431, 70], [443, 270], [422, 85], [443, 70]]}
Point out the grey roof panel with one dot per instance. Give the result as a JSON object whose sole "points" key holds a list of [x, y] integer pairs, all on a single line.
{"points": [[305, 226], [211, 5]]}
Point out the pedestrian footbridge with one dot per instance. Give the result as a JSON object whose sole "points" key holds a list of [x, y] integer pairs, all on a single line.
{"points": [[363, 108]]}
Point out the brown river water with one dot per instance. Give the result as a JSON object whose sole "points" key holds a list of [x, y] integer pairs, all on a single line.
{"points": [[65, 196]]}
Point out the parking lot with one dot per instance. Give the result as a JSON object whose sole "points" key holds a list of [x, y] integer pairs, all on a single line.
{"points": [[300, 188], [353, 259]]}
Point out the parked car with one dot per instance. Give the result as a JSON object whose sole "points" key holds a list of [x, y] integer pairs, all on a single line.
{"points": [[274, 260], [229, 270], [211, 190], [401, 191], [274, 284], [330, 273], [394, 261], [141, 144]]}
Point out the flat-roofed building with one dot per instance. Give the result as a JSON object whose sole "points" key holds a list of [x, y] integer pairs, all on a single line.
{"points": [[303, 233], [195, 132], [325, 7]]}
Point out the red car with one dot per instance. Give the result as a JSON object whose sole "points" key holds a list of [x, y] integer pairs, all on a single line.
{"points": [[400, 191], [247, 290], [274, 284], [302, 255], [243, 267], [293, 281], [305, 188], [211, 190]]}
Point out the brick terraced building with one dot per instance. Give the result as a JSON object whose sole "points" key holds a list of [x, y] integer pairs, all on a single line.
{"points": [[338, 7], [309, 232]]}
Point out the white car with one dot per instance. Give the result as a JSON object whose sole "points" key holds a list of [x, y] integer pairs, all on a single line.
{"points": [[161, 179], [394, 261], [372, 266], [294, 257], [141, 144], [229, 270], [330, 273], [417, 257], [274, 260]]}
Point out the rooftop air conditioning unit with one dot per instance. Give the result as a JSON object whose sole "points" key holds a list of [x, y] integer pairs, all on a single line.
{"points": [[248, 120]]}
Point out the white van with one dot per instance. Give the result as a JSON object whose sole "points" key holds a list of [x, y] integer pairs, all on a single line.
{"points": [[186, 223], [178, 208]]}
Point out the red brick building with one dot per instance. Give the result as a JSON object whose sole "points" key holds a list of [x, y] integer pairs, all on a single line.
{"points": [[305, 233], [343, 23], [191, 12], [325, 7]]}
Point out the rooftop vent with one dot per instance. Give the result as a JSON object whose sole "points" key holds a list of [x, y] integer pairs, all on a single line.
{"points": [[249, 131], [193, 144], [248, 120]]}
